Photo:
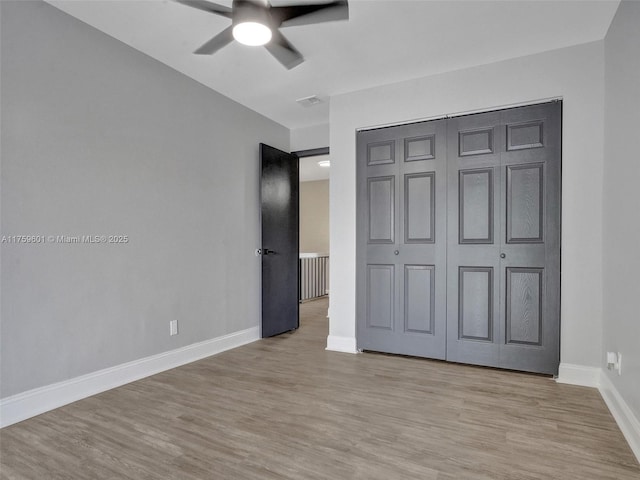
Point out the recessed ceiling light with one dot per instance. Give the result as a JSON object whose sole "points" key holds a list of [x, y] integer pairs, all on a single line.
{"points": [[325, 163]]}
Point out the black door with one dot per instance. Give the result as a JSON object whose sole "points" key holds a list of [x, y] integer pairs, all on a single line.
{"points": [[280, 221]]}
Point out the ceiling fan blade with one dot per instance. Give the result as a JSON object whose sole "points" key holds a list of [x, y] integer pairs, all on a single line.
{"points": [[207, 7], [293, 15], [284, 52], [217, 42]]}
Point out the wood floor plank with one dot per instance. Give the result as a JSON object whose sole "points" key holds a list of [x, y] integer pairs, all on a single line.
{"points": [[284, 408]]}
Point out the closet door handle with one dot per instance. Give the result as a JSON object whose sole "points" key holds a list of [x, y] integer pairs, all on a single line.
{"points": [[396, 252], [503, 255]]}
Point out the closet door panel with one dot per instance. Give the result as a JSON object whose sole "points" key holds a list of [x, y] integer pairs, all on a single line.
{"points": [[476, 206], [458, 239], [419, 207], [381, 211], [474, 232], [401, 174], [530, 269]]}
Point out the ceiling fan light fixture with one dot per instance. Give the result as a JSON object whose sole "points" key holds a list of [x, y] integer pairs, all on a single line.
{"points": [[252, 33], [257, 22]]}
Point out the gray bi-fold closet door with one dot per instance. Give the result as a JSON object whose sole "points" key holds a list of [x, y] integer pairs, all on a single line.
{"points": [[458, 238]]}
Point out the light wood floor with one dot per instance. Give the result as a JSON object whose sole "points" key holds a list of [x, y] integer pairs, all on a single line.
{"points": [[284, 408]]}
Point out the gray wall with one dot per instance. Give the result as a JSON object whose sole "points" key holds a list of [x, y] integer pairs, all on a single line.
{"points": [[621, 224], [98, 138]]}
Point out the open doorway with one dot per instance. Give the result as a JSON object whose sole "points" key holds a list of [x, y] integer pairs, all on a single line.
{"points": [[314, 228]]}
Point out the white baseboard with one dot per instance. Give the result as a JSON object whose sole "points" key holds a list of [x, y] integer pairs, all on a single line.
{"points": [[579, 375], [341, 344], [39, 400], [625, 418], [596, 378]]}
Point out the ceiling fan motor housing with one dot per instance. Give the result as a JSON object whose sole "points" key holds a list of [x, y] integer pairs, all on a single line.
{"points": [[252, 11]]}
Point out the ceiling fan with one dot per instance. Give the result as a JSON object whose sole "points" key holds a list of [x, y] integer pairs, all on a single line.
{"points": [[256, 22]]}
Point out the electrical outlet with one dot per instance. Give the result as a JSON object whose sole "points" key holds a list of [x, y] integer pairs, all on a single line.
{"points": [[611, 360], [173, 327], [614, 362]]}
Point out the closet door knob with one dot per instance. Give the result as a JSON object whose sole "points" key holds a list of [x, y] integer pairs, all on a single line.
{"points": [[396, 252], [503, 255]]}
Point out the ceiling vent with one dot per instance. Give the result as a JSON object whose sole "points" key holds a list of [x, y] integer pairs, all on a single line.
{"points": [[309, 101]]}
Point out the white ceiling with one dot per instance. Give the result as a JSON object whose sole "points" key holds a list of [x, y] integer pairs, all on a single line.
{"points": [[310, 171], [384, 41]]}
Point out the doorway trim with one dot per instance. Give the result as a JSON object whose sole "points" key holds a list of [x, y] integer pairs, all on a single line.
{"points": [[312, 152]]}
